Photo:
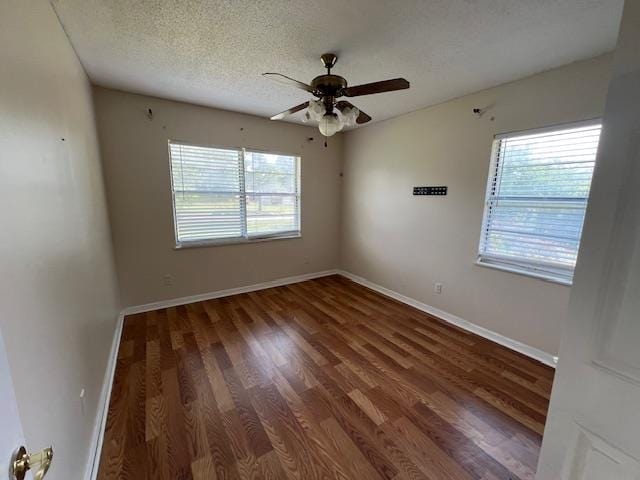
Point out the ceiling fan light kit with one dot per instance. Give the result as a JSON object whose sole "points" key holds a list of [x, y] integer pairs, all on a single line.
{"points": [[350, 115], [316, 110], [330, 124], [331, 114]]}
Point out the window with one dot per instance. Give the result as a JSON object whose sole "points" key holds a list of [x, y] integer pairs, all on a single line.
{"points": [[536, 200], [225, 195]]}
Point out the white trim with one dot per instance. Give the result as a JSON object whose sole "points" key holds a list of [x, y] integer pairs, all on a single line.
{"points": [[93, 462], [527, 350], [148, 307], [237, 240], [524, 271]]}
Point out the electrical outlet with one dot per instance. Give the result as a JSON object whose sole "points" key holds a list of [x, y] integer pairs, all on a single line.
{"points": [[437, 287], [82, 401], [167, 280]]}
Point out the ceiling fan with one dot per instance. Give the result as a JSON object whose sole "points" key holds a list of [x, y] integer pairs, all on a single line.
{"points": [[328, 88]]}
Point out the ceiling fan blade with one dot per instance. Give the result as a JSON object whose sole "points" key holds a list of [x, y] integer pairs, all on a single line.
{"points": [[280, 78], [292, 110], [376, 87], [362, 118]]}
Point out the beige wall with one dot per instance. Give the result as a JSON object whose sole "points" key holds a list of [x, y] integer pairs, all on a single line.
{"points": [[136, 164], [58, 302], [407, 243]]}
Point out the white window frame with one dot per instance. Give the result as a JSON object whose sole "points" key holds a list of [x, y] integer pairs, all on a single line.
{"points": [[245, 238], [537, 270]]}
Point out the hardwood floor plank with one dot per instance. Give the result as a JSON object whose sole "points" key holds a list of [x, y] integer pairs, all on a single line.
{"points": [[216, 380], [295, 450], [154, 416], [433, 462], [324, 379], [155, 460], [135, 420], [368, 407], [197, 441], [203, 469], [358, 463], [312, 430], [177, 453], [252, 428], [270, 467], [457, 445]]}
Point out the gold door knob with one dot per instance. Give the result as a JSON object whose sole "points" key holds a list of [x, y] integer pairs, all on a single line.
{"points": [[22, 462]]}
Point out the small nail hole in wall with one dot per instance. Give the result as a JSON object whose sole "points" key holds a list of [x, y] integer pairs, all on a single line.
{"points": [[150, 114]]}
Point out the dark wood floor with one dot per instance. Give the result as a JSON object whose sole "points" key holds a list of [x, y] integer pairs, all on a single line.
{"points": [[321, 379]]}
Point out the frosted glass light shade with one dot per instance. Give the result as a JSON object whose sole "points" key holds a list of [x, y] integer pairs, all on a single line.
{"points": [[330, 124], [350, 115], [316, 109]]}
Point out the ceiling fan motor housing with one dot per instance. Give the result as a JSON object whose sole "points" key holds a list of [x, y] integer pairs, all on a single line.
{"points": [[331, 85]]}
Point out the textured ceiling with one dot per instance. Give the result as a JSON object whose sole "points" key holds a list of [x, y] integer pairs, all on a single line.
{"points": [[212, 52]]}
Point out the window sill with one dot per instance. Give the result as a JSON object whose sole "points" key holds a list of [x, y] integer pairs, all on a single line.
{"points": [[234, 241], [524, 272]]}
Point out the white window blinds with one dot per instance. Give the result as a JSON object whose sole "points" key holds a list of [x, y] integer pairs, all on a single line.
{"points": [[536, 200], [271, 183], [230, 195]]}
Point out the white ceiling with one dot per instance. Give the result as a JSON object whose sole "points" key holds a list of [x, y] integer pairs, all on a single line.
{"points": [[212, 52]]}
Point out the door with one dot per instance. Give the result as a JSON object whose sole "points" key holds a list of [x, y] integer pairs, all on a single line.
{"points": [[593, 427], [10, 427], [15, 462]]}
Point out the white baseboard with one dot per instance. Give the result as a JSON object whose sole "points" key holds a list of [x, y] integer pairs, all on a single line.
{"points": [[148, 307], [520, 347], [93, 462]]}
